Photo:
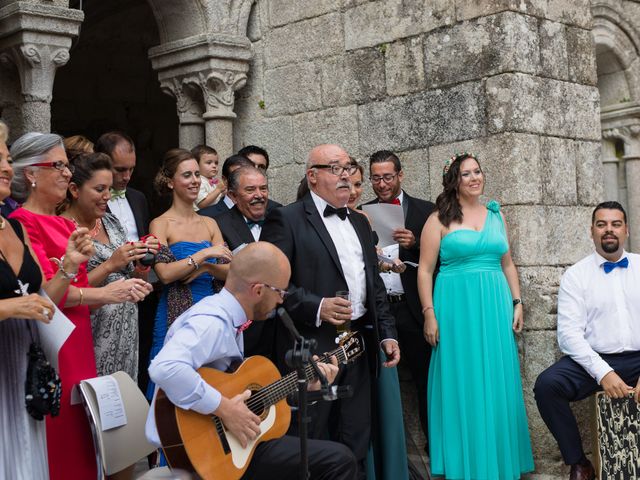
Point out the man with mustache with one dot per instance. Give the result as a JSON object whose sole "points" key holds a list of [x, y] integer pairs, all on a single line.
{"points": [[599, 332], [242, 224], [332, 249]]}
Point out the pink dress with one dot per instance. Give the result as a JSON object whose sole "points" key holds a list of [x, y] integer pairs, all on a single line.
{"points": [[69, 441]]}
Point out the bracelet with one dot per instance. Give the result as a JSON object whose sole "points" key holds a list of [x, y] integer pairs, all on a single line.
{"points": [[517, 301], [81, 296], [192, 261], [65, 274], [427, 308]]}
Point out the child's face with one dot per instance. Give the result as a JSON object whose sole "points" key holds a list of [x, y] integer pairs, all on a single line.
{"points": [[209, 165]]}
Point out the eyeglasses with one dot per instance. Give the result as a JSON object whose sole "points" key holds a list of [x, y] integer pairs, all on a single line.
{"points": [[338, 169], [283, 293], [59, 165], [387, 177]]}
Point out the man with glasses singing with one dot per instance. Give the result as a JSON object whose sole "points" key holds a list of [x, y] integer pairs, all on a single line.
{"points": [[386, 177], [331, 249]]}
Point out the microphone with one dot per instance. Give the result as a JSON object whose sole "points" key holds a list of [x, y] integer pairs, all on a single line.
{"points": [[286, 319]]}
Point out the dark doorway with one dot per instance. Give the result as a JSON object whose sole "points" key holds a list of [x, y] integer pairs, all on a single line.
{"points": [[109, 84]]}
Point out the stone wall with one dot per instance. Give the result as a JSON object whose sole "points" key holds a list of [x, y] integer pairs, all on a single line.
{"points": [[514, 82]]}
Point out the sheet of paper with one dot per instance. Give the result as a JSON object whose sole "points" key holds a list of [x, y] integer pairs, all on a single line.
{"points": [[54, 334], [110, 403], [385, 218], [238, 248]]}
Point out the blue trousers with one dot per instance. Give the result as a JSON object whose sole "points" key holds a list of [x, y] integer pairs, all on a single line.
{"points": [[566, 381]]}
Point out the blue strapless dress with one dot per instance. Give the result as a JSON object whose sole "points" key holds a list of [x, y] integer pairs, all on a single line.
{"points": [[200, 287]]}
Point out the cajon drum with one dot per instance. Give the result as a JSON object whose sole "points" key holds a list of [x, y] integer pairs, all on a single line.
{"points": [[616, 438]]}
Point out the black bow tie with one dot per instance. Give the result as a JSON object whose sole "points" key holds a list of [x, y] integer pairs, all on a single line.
{"points": [[251, 223], [341, 212]]}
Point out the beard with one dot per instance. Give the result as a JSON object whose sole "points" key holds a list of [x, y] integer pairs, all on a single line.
{"points": [[610, 247]]}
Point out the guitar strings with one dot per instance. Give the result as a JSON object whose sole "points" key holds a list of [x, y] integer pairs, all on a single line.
{"points": [[284, 386]]}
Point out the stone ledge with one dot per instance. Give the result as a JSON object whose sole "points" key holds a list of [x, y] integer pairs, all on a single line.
{"points": [[283, 12], [23, 18]]}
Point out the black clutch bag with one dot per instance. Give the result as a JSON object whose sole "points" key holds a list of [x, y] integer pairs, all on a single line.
{"points": [[43, 388]]}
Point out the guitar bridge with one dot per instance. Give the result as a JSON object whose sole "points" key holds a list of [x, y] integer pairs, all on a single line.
{"points": [[221, 434]]}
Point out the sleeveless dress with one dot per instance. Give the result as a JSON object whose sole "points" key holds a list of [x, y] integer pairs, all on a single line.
{"points": [[477, 419], [23, 449], [114, 327], [69, 440], [201, 287]]}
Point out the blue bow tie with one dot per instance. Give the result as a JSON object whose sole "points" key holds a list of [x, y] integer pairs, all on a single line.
{"points": [[608, 266], [251, 223]]}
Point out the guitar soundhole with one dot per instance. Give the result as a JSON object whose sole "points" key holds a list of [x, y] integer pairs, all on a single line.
{"points": [[256, 403]]}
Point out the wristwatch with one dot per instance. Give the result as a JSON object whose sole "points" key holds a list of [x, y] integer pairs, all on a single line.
{"points": [[517, 301]]}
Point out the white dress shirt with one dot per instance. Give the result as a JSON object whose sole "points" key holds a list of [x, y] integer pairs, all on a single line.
{"points": [[228, 202], [599, 312], [205, 335], [351, 258], [122, 210], [392, 281]]}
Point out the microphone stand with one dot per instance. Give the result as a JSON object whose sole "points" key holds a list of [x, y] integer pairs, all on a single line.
{"points": [[298, 358]]}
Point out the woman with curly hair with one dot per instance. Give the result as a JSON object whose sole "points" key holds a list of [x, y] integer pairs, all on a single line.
{"points": [[477, 419]]}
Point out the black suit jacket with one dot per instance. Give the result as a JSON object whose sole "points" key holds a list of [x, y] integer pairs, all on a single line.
{"points": [[416, 212], [234, 228], [259, 337], [140, 208], [298, 230], [219, 208]]}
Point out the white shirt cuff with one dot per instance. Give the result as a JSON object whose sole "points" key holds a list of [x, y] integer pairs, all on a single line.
{"points": [[318, 321]]}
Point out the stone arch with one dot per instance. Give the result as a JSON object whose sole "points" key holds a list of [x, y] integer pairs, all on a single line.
{"points": [[617, 44], [179, 19]]}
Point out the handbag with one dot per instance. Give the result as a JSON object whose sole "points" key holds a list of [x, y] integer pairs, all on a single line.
{"points": [[43, 388]]}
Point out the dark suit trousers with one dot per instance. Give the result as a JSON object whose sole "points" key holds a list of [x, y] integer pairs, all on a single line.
{"points": [[346, 420], [566, 381], [280, 459], [415, 354]]}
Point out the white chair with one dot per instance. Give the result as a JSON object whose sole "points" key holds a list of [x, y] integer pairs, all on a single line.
{"points": [[119, 447]]}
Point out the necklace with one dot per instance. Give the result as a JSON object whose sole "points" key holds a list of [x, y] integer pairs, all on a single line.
{"points": [[3, 222], [93, 233]]}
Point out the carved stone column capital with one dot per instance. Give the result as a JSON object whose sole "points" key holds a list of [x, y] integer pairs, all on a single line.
{"points": [[189, 100], [218, 87], [36, 65]]}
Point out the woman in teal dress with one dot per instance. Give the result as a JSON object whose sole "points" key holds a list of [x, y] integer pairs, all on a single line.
{"points": [[192, 247], [477, 419]]}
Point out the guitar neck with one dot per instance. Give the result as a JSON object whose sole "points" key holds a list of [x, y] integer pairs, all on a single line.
{"points": [[273, 393]]}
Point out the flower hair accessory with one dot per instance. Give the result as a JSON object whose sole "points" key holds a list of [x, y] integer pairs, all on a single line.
{"points": [[456, 156]]}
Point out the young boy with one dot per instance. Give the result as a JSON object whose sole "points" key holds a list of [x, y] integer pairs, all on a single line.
{"points": [[211, 189]]}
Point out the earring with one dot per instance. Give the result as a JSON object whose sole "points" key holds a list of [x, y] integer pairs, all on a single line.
{"points": [[33, 184]]}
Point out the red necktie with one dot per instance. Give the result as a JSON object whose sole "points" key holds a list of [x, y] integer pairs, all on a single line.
{"points": [[395, 201], [243, 327]]}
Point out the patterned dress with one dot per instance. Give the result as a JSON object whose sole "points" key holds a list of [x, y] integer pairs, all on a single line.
{"points": [[114, 327], [23, 451]]}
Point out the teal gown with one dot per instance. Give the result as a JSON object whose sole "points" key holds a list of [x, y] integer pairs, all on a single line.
{"points": [[477, 419]]}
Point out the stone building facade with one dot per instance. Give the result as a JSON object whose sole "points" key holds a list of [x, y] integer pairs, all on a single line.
{"points": [[537, 88]]}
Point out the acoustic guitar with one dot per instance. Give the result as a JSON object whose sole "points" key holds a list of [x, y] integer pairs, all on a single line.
{"points": [[200, 443]]}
